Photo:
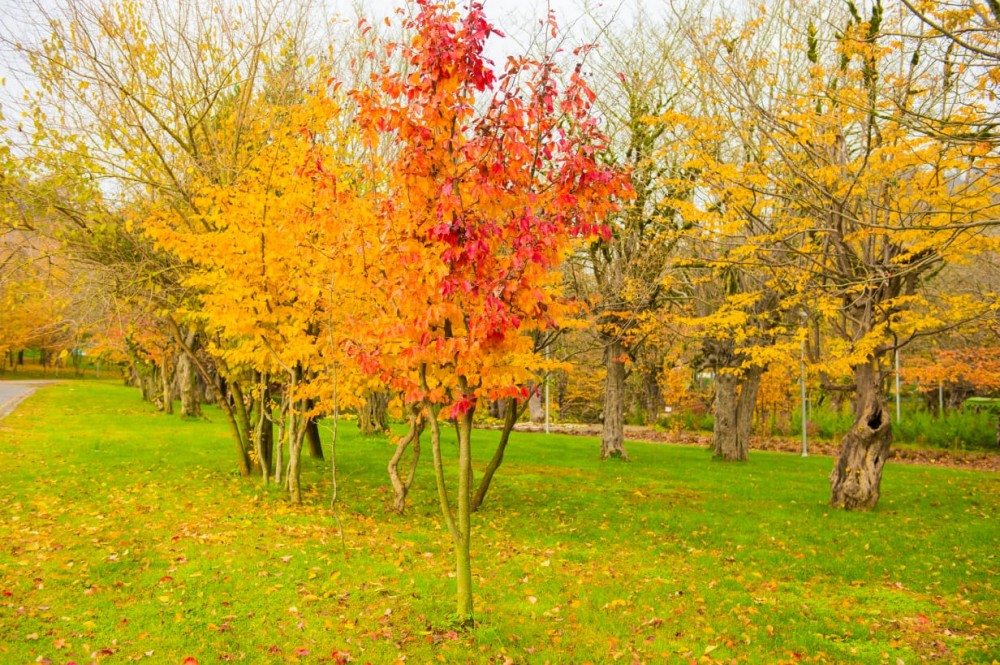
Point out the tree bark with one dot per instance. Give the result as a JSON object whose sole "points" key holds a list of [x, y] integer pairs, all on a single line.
{"points": [[652, 395], [735, 399], [296, 433], [187, 379], [262, 429], [727, 444], [855, 481], [536, 408], [240, 413], [373, 416], [463, 556], [167, 383], [613, 431], [511, 415], [313, 440], [400, 486], [243, 458]]}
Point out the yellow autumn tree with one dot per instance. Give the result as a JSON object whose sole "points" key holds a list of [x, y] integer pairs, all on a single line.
{"points": [[281, 259], [854, 210]]}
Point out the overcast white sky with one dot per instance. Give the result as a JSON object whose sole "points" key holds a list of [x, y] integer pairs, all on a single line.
{"points": [[23, 20]]}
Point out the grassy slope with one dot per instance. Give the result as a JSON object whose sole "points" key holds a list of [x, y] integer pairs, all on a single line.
{"points": [[126, 536]]}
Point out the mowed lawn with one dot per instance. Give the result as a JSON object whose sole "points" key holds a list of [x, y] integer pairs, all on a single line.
{"points": [[125, 536]]}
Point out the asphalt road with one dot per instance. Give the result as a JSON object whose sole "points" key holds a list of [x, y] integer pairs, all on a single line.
{"points": [[13, 393]]}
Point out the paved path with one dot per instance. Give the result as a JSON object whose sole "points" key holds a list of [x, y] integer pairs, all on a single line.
{"points": [[13, 393]]}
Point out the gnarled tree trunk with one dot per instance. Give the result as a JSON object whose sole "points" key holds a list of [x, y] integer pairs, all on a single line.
{"points": [[613, 432], [855, 482], [373, 416], [400, 486]]}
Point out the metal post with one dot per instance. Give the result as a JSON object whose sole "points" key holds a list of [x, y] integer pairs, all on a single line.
{"points": [[547, 372], [897, 387], [940, 399], [805, 422]]}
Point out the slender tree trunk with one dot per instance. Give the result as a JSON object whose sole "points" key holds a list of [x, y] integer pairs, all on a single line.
{"points": [[613, 432], [293, 480], [296, 433], [167, 384], [735, 398], [511, 414], [400, 486], [240, 413], [373, 416], [459, 529], [463, 557], [261, 431], [855, 482], [241, 444], [279, 449]]}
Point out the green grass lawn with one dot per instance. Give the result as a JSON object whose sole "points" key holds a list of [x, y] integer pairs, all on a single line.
{"points": [[126, 536]]}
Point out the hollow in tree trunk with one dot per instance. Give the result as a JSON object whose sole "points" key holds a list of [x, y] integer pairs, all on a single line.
{"points": [[855, 481], [613, 432], [735, 398]]}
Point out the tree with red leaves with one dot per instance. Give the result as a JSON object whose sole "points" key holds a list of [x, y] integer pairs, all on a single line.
{"points": [[495, 176]]}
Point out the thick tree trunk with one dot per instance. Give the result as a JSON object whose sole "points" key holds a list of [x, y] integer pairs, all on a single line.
{"points": [[313, 440], [536, 407], [652, 396], [748, 402], [373, 416], [147, 383], [187, 380], [735, 398], [727, 444], [613, 432], [855, 482]]}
